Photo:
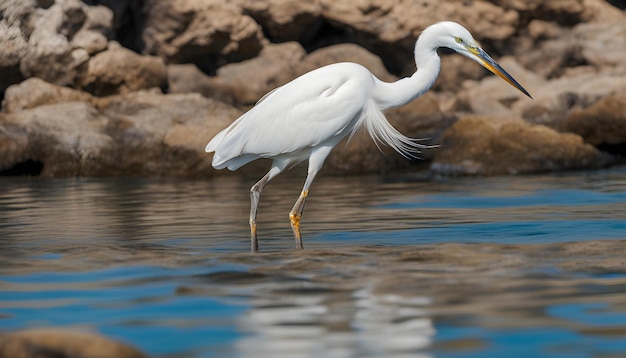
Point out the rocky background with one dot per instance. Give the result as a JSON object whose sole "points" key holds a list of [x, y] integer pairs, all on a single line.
{"points": [[121, 87]]}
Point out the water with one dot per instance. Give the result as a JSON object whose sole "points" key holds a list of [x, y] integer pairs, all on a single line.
{"points": [[395, 266]]}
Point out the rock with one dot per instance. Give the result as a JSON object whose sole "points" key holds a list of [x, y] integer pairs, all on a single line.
{"points": [[13, 42], [164, 135], [36, 92], [480, 145], [65, 137], [602, 11], [57, 343], [246, 82], [142, 133], [286, 20], [552, 99], [206, 33], [187, 78], [62, 39], [493, 96], [392, 27], [590, 44], [344, 53], [119, 70], [563, 12], [601, 124]]}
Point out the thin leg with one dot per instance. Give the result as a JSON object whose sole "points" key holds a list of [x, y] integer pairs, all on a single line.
{"points": [[295, 215], [255, 195], [316, 160]]}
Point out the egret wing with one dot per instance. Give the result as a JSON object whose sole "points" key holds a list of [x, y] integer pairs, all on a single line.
{"points": [[321, 106]]}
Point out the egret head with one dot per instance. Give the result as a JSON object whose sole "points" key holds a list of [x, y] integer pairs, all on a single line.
{"points": [[455, 37]]}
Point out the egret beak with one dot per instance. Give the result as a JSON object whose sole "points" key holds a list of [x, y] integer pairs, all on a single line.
{"points": [[489, 63]]}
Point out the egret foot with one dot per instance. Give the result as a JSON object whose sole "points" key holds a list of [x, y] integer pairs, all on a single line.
{"points": [[295, 226]]}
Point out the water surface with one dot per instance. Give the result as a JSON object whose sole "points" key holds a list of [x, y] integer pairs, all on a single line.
{"points": [[394, 266]]}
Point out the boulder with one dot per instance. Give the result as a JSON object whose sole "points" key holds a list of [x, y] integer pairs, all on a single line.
{"points": [[36, 92], [187, 78], [62, 38], [57, 343], [603, 124], [13, 41], [164, 135], [206, 33], [119, 70], [344, 53], [481, 145], [553, 99], [141, 133], [555, 52], [246, 82], [286, 20]]}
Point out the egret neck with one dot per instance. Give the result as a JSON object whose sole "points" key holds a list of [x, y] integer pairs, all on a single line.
{"points": [[405, 90]]}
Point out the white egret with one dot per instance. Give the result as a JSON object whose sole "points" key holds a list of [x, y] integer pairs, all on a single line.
{"points": [[307, 117]]}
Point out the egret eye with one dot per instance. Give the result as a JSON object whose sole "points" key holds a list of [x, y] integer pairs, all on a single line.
{"points": [[458, 39]]}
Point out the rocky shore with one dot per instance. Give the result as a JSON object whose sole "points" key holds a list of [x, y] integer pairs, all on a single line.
{"points": [[115, 87]]}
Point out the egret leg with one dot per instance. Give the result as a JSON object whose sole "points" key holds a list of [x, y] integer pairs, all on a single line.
{"points": [[316, 160], [295, 215], [255, 196]]}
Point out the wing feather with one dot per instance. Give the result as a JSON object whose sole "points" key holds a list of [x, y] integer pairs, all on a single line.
{"points": [[320, 106]]}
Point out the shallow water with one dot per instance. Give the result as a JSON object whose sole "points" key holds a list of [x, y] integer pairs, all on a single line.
{"points": [[394, 266]]}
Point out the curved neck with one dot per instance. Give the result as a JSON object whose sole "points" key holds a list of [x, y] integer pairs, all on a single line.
{"points": [[403, 91]]}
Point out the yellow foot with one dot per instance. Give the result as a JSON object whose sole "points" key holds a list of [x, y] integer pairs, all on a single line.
{"points": [[295, 226]]}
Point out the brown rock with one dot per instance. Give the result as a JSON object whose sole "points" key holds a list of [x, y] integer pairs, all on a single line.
{"points": [[54, 343], [164, 135], [187, 78], [142, 133], [603, 123], [246, 82], [344, 53], [552, 101], [559, 11], [392, 27], [13, 43], [587, 44], [62, 38], [207, 33], [36, 92], [285, 20], [493, 146], [119, 70], [493, 96], [65, 137]]}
